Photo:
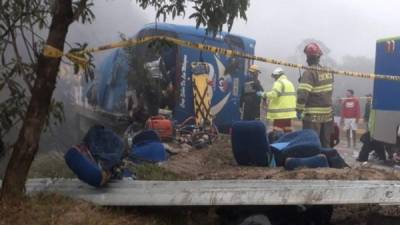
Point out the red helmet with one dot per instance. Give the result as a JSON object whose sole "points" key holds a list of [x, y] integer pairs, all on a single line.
{"points": [[312, 49]]}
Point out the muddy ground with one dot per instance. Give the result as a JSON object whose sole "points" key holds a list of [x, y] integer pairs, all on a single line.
{"points": [[217, 162], [214, 162]]}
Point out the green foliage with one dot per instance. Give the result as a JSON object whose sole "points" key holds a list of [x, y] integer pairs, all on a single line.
{"points": [[23, 22], [19, 50], [88, 66], [83, 12], [22, 25], [212, 14]]}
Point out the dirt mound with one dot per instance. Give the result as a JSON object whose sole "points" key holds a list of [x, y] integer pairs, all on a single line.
{"points": [[355, 173], [217, 162]]}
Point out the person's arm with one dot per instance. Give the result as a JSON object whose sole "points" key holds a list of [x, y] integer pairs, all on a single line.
{"points": [[275, 91], [259, 86], [306, 84]]}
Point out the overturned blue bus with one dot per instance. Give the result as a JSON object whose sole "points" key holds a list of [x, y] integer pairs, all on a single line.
{"points": [[117, 80]]}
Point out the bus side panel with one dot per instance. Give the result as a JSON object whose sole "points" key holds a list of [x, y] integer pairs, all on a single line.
{"points": [[112, 82], [184, 105], [225, 83], [386, 93], [387, 62], [224, 102]]}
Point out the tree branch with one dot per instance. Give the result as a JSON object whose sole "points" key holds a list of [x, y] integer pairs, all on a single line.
{"points": [[80, 9]]}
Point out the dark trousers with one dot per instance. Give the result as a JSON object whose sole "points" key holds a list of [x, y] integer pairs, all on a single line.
{"points": [[323, 130], [370, 145]]}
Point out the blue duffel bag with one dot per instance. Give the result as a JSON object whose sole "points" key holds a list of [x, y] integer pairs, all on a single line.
{"points": [[316, 161], [249, 143]]}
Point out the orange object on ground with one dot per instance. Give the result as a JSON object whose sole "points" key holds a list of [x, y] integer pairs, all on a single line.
{"points": [[162, 126], [284, 125]]}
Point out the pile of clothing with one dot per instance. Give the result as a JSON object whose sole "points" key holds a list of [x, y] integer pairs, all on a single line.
{"points": [[251, 146], [300, 149], [101, 155]]}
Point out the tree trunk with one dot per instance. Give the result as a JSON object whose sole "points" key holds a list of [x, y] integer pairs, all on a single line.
{"points": [[27, 144]]}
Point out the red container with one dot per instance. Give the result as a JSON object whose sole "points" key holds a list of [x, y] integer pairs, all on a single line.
{"points": [[162, 125]]}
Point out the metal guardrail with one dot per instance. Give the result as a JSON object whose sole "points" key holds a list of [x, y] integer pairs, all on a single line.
{"points": [[224, 192]]}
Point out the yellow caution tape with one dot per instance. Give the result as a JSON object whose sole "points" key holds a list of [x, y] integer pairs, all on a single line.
{"points": [[50, 51]]}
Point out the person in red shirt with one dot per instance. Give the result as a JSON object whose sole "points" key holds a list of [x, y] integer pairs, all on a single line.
{"points": [[350, 116]]}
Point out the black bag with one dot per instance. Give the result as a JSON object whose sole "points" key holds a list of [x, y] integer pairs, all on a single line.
{"points": [[334, 158]]}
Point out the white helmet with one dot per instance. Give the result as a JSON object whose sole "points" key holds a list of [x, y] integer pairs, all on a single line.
{"points": [[278, 71]]}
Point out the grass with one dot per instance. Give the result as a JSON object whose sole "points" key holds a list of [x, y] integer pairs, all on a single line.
{"points": [[52, 209], [154, 172], [50, 165], [55, 209]]}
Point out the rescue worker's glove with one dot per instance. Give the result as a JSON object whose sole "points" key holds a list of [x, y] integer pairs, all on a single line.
{"points": [[260, 93]]}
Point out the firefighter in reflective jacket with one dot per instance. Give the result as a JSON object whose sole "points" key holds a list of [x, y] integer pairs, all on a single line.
{"points": [[314, 97], [281, 102]]}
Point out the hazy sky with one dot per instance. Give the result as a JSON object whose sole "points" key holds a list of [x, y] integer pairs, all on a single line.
{"points": [[347, 27]]}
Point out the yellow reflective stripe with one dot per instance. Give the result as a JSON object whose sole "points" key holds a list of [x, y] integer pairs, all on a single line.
{"points": [[300, 106], [318, 110], [306, 87], [322, 88], [281, 110]]}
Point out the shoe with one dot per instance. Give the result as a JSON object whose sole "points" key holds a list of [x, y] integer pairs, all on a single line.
{"points": [[359, 160]]}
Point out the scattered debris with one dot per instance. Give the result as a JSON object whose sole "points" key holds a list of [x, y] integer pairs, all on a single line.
{"points": [[174, 149], [217, 162]]}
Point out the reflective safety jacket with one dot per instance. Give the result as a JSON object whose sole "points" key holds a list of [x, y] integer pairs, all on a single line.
{"points": [[314, 96], [282, 100]]}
